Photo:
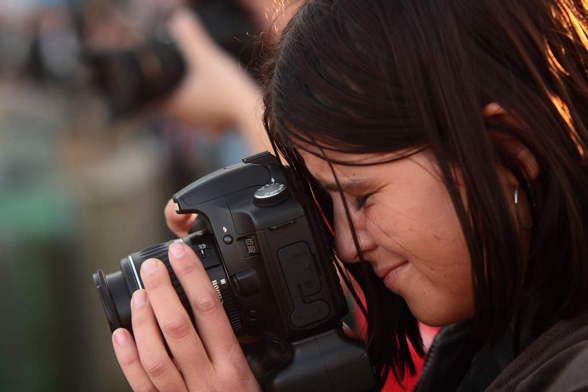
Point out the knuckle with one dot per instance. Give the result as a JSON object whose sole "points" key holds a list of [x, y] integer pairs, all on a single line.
{"points": [[236, 358], [177, 329], [155, 368], [206, 303], [154, 280], [128, 361], [138, 318], [183, 269], [205, 382], [234, 371], [141, 317], [235, 379], [209, 385]]}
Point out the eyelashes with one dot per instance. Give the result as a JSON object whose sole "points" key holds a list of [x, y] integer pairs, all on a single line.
{"points": [[360, 201]]}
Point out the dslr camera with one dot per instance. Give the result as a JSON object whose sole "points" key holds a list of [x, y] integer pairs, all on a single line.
{"points": [[130, 79], [264, 245]]}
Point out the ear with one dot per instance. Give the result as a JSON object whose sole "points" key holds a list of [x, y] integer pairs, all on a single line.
{"points": [[510, 143]]}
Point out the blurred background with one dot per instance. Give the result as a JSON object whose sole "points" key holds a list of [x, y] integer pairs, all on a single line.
{"points": [[87, 163]]}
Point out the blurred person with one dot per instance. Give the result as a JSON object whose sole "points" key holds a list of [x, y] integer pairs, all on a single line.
{"points": [[54, 49], [217, 93], [136, 76]]}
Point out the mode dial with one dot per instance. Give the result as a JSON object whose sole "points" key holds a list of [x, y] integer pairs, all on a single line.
{"points": [[270, 194]]}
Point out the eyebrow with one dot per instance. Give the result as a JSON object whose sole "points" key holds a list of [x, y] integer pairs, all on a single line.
{"points": [[346, 185]]}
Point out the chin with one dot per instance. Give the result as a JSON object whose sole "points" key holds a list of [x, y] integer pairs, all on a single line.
{"points": [[438, 318]]}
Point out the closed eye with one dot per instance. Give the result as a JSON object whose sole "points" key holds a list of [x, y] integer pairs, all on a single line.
{"points": [[360, 201]]}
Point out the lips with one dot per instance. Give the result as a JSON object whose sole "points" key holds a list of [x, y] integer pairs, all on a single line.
{"points": [[383, 272], [390, 276]]}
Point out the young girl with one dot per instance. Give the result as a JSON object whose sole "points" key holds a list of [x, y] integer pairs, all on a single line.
{"points": [[451, 137]]}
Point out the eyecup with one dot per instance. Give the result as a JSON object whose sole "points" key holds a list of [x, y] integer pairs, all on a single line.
{"points": [[107, 300]]}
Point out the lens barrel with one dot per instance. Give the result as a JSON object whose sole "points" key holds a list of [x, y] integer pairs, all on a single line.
{"points": [[116, 289]]}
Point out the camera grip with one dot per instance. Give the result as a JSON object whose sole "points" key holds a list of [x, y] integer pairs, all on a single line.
{"points": [[328, 362]]}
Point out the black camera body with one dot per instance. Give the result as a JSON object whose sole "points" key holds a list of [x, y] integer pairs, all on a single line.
{"points": [[265, 251], [130, 79]]}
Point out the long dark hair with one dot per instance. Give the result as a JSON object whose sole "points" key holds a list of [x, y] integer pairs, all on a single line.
{"points": [[399, 75]]}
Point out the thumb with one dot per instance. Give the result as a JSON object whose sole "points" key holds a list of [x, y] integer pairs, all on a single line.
{"points": [[189, 34]]}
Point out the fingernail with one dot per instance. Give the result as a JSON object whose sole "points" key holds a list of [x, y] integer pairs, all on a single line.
{"points": [[139, 299], [150, 266], [177, 249], [120, 337]]}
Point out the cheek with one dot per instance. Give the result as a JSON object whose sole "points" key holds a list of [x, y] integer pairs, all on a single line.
{"points": [[417, 223], [426, 231]]}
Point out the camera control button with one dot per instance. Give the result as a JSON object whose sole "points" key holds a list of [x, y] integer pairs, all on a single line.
{"points": [[270, 194]]}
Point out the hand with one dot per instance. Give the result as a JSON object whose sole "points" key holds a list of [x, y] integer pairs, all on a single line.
{"points": [[203, 358], [216, 89]]}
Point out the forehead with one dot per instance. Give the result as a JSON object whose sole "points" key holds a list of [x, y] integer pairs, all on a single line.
{"points": [[361, 172], [317, 157], [334, 153], [347, 166]]}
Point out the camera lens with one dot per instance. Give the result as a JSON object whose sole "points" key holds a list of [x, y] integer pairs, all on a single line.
{"points": [[116, 289], [114, 284]]}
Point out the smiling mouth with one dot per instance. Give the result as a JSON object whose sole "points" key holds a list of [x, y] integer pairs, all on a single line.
{"points": [[384, 272]]}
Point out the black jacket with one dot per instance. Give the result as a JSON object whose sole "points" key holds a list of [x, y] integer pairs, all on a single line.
{"points": [[557, 360]]}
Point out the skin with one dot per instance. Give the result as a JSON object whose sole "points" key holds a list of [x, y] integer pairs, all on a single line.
{"points": [[406, 225], [407, 229]]}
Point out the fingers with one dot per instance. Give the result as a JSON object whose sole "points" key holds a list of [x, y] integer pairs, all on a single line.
{"points": [[144, 361], [128, 359], [212, 322], [170, 354], [173, 320], [190, 35], [180, 224], [157, 364]]}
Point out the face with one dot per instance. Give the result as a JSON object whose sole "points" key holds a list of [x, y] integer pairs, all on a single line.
{"points": [[407, 229]]}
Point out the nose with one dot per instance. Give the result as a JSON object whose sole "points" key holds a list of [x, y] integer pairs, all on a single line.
{"points": [[345, 246]]}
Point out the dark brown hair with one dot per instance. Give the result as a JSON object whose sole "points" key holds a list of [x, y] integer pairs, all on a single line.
{"points": [[399, 75]]}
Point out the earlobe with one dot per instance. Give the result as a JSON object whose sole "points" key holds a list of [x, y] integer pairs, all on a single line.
{"points": [[493, 109], [515, 148]]}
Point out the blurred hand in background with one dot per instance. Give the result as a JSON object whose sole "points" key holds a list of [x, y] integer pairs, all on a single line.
{"points": [[217, 93]]}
